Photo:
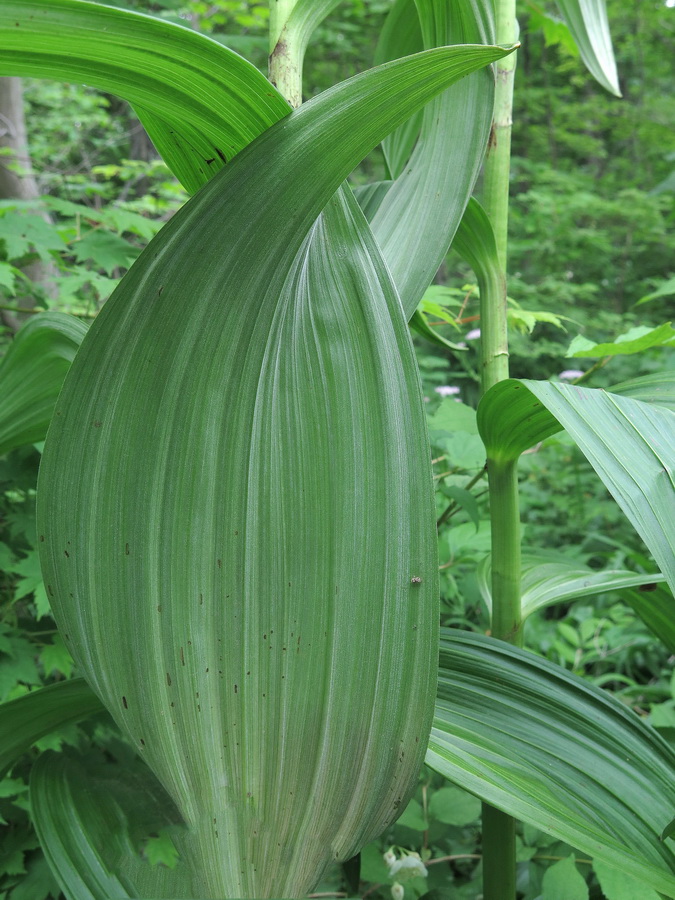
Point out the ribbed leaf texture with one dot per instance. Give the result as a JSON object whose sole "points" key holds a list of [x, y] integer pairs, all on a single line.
{"points": [[236, 513]]}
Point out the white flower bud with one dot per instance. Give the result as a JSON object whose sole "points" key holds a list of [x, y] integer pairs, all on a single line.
{"points": [[411, 866], [389, 857], [397, 891]]}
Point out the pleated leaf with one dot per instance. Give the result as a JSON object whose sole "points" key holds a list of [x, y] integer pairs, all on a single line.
{"points": [[656, 608], [235, 486], [417, 219], [629, 443], [554, 751], [200, 102], [546, 581], [587, 21], [657, 387], [93, 822], [31, 376], [27, 719]]}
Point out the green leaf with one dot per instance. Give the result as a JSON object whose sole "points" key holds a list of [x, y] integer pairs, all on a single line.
{"points": [[636, 340], [108, 251], [56, 658], [656, 608], [453, 806], [556, 752], [8, 275], [587, 20], [617, 885], [27, 719], [413, 817], [453, 416], [31, 376], [563, 881], [200, 102], [178, 512], [658, 388], [419, 324], [417, 219], [545, 581], [465, 500], [92, 826], [667, 289], [555, 31], [25, 234], [630, 444], [161, 851]]}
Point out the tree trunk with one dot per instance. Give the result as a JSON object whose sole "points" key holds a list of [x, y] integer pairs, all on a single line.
{"points": [[17, 182]]}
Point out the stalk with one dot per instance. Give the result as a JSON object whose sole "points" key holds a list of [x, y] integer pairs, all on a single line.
{"points": [[286, 52], [499, 829]]}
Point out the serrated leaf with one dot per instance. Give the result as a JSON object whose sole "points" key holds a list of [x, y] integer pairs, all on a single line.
{"points": [[552, 750], [227, 480], [636, 340], [8, 275], [25, 234], [106, 250], [161, 851], [55, 657]]}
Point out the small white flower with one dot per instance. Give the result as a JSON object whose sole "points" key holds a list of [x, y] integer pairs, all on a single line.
{"points": [[411, 866], [397, 891], [473, 335], [447, 390], [570, 374], [389, 857]]}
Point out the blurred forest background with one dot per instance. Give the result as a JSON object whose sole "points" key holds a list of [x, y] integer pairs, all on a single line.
{"points": [[591, 235]]}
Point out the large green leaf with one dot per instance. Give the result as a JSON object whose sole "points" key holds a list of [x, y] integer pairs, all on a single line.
{"points": [[93, 821], [587, 20], [656, 608], [658, 388], [415, 222], [31, 375], [552, 750], [242, 501], [545, 581], [630, 444], [27, 719], [200, 102]]}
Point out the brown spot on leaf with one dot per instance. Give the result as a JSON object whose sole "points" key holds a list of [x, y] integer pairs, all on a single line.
{"points": [[124, 703]]}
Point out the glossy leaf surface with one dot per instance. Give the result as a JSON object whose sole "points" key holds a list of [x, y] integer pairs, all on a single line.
{"points": [[208, 496], [548, 748], [587, 21], [32, 374]]}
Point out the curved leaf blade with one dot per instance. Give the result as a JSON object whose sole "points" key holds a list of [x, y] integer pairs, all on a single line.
{"points": [[280, 596], [657, 387], [552, 750], [32, 374], [656, 608], [546, 581], [630, 444], [27, 719], [587, 21], [417, 219], [200, 102]]}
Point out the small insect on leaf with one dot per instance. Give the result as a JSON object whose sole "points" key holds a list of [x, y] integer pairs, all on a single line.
{"points": [[416, 580]]}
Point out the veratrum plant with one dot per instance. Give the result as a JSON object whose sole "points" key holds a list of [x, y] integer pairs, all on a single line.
{"points": [[236, 513]]}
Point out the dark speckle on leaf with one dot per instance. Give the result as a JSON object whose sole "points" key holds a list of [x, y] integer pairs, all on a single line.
{"points": [[124, 703]]}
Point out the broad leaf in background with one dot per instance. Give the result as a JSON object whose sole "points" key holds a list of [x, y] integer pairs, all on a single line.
{"points": [[200, 102], [276, 600], [554, 751], [637, 339], [667, 289], [587, 20], [31, 375], [93, 822], [27, 719], [549, 580], [415, 222], [630, 444], [657, 388], [656, 608]]}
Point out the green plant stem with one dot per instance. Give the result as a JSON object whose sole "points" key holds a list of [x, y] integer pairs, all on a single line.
{"points": [[286, 53], [499, 829]]}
